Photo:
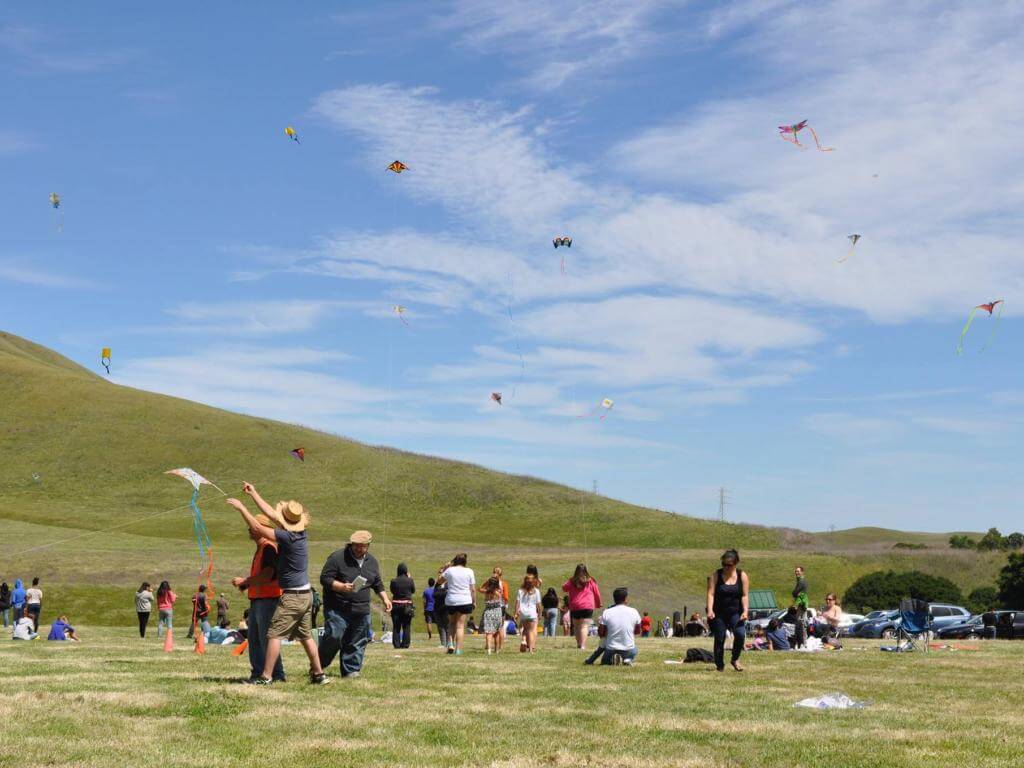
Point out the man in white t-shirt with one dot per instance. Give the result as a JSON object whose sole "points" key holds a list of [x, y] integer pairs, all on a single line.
{"points": [[617, 627]]}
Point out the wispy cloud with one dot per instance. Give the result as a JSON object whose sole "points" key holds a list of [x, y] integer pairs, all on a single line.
{"points": [[44, 279], [14, 144], [559, 41], [42, 51]]}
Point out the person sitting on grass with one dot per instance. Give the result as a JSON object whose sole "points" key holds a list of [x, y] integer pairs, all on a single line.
{"points": [[61, 630], [695, 626], [617, 628], [23, 629], [778, 639], [758, 642]]}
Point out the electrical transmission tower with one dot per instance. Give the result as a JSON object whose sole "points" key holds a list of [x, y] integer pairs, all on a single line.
{"points": [[722, 501]]}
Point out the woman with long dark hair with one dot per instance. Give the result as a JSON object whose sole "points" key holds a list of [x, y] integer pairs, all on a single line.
{"points": [[143, 606], [165, 598], [550, 605], [727, 606], [584, 599]]}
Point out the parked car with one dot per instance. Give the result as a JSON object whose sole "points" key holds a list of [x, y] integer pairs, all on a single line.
{"points": [[965, 630], [884, 624], [944, 615], [790, 628], [1010, 625], [887, 625]]}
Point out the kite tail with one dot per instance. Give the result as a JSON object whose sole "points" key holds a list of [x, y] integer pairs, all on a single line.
{"points": [[967, 325], [995, 325], [793, 140], [202, 539], [848, 254], [818, 143], [563, 265]]}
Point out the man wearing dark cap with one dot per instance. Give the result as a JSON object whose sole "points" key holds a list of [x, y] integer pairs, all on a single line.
{"points": [[348, 578]]}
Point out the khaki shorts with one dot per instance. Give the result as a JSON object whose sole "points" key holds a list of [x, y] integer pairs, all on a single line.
{"points": [[293, 617]]}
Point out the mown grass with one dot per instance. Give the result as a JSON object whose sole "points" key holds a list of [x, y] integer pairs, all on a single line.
{"points": [[119, 700]]}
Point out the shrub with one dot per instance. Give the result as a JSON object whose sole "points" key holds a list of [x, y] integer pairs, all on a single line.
{"points": [[961, 541], [885, 589], [1011, 582], [981, 599]]}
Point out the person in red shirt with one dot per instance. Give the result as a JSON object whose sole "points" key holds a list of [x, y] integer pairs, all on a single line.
{"points": [[263, 592], [645, 625]]}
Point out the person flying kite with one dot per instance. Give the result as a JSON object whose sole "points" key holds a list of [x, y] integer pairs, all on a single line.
{"points": [[990, 307], [789, 133], [291, 134]]}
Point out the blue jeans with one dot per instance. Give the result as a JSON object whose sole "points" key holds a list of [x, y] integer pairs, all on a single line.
{"points": [[609, 656], [551, 622], [738, 627], [261, 611], [6, 612], [348, 634], [166, 619]]}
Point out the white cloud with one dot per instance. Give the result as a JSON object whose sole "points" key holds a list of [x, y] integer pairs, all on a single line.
{"points": [[562, 40], [857, 431], [468, 155], [42, 278], [40, 51], [257, 317]]}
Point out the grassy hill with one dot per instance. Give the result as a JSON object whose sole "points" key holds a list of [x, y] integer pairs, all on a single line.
{"points": [[85, 505]]}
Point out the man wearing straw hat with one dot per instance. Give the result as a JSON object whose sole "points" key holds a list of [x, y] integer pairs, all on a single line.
{"points": [[348, 577], [293, 614]]}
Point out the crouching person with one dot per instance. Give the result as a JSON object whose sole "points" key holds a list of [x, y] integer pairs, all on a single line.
{"points": [[617, 628]]}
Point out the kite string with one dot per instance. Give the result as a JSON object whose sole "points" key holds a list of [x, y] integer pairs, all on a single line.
{"points": [[515, 336], [107, 530]]}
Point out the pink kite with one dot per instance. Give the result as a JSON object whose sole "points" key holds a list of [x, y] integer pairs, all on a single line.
{"points": [[789, 133]]}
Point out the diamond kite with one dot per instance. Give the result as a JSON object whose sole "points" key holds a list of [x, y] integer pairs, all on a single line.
{"points": [[105, 358], [399, 310], [789, 133], [990, 307], [291, 134], [299, 453], [398, 166], [853, 242], [198, 524], [496, 397]]}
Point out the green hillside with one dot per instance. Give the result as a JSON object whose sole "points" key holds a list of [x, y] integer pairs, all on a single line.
{"points": [[86, 506]]}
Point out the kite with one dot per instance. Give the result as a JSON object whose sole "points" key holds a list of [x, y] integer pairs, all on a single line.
{"points": [[299, 453], [496, 397], [55, 202], [36, 477], [198, 524], [562, 240], [398, 166], [606, 404], [990, 307], [291, 134], [105, 358], [399, 310], [787, 131], [853, 242]]}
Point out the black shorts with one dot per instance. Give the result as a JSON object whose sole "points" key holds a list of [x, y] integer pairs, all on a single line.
{"points": [[577, 615], [428, 617], [466, 609]]}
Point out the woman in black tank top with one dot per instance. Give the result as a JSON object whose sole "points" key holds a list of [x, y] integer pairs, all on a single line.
{"points": [[727, 608]]}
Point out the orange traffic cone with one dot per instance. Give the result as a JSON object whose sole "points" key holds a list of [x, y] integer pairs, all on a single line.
{"points": [[169, 641], [241, 648], [200, 642]]}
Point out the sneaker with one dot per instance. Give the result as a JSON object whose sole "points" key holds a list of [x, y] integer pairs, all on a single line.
{"points": [[320, 679], [628, 662], [451, 649], [458, 652], [262, 681]]}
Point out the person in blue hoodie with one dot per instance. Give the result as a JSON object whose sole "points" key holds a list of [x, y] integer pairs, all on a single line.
{"points": [[18, 599]]}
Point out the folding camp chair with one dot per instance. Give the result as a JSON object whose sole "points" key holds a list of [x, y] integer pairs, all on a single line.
{"points": [[915, 624]]}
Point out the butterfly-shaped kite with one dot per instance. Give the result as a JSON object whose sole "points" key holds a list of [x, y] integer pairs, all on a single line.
{"points": [[789, 133]]}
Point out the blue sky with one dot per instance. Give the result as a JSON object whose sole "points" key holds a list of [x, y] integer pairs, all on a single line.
{"points": [[226, 264]]}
